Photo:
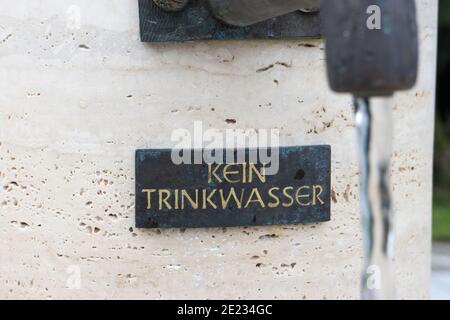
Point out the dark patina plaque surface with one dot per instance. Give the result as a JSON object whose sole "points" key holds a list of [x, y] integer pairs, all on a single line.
{"points": [[234, 194], [195, 22]]}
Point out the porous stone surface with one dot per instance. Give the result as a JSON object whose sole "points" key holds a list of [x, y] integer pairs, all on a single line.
{"points": [[78, 96]]}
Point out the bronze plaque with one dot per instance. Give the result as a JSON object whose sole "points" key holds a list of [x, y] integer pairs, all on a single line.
{"points": [[233, 194]]}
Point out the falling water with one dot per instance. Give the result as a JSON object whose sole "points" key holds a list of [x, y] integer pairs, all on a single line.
{"points": [[374, 126]]}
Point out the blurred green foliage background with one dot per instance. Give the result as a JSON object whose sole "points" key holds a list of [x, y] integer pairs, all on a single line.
{"points": [[441, 202]]}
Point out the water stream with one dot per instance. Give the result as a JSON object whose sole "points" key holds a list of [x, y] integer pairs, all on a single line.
{"points": [[374, 126]]}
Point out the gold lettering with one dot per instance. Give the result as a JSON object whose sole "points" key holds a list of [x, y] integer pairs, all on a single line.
{"points": [[176, 199], [258, 198], [254, 169], [231, 194], [291, 199], [149, 197], [317, 195], [299, 196], [212, 173], [164, 200], [226, 173], [207, 199], [185, 195], [274, 197]]}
